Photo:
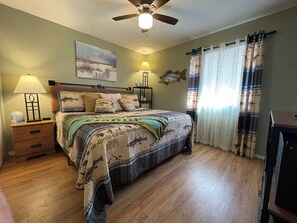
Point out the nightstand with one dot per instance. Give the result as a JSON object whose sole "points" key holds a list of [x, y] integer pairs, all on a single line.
{"points": [[33, 138], [145, 95]]}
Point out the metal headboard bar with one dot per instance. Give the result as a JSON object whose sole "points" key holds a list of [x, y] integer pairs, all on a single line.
{"points": [[111, 87], [54, 83]]}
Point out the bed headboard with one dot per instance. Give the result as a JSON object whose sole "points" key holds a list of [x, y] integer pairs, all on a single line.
{"points": [[59, 86]]}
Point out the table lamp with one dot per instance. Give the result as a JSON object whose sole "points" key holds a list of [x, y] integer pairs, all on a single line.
{"points": [[30, 86]]}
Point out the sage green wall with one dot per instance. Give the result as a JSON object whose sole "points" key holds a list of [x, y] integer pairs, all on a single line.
{"points": [[2, 152], [279, 73], [29, 44]]}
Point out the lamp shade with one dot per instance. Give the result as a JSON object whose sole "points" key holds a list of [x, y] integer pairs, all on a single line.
{"points": [[29, 84], [145, 66], [145, 20]]}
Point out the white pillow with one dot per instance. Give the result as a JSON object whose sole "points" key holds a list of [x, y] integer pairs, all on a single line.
{"points": [[114, 98]]}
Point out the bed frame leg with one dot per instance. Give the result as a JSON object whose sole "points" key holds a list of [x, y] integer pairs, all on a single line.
{"points": [[187, 151]]}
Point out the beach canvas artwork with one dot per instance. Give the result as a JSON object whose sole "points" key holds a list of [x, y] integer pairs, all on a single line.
{"points": [[95, 63]]}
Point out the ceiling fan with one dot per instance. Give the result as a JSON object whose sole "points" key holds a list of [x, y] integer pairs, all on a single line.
{"points": [[147, 9]]}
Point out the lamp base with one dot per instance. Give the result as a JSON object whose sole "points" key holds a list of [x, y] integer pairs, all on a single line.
{"points": [[145, 79], [32, 107]]}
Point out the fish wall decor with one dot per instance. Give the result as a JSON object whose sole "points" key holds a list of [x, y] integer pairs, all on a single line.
{"points": [[171, 76]]}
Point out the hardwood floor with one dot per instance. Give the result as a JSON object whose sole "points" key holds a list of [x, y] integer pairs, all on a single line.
{"points": [[206, 187]]}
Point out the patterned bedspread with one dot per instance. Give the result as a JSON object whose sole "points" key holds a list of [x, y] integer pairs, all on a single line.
{"points": [[109, 154], [153, 123]]}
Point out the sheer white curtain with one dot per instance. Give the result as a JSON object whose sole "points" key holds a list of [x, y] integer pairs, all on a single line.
{"points": [[219, 95]]}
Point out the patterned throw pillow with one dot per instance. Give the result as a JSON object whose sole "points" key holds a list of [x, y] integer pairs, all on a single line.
{"points": [[114, 98], [133, 98], [104, 105], [127, 104], [90, 100], [71, 101]]}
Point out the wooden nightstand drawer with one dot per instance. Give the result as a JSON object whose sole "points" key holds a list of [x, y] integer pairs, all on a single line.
{"points": [[34, 145], [33, 139], [32, 132]]}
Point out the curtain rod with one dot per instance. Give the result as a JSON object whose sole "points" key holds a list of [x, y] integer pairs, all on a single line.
{"points": [[194, 51]]}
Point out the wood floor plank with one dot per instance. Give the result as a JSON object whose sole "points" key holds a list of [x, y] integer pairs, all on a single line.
{"points": [[208, 186]]}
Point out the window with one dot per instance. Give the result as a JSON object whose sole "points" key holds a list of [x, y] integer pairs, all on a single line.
{"points": [[219, 95]]}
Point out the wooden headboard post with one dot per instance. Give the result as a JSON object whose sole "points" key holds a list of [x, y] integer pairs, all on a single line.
{"points": [[59, 86]]}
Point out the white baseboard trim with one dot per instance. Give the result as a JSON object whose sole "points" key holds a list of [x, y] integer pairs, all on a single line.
{"points": [[259, 156], [11, 153]]}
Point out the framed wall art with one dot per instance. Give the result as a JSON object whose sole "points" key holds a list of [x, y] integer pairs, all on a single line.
{"points": [[95, 63]]}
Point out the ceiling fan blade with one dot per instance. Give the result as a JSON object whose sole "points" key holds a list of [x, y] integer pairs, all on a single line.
{"points": [[135, 2], [124, 17], [159, 3], [165, 18]]}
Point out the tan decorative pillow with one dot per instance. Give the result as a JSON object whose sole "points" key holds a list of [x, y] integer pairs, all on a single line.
{"points": [[114, 98], [127, 104], [133, 98], [104, 105], [90, 100], [71, 101]]}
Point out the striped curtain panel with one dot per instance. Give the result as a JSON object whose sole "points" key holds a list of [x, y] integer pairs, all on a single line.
{"points": [[193, 85], [245, 141]]}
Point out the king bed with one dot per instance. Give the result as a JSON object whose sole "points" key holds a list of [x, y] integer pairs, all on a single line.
{"points": [[113, 147]]}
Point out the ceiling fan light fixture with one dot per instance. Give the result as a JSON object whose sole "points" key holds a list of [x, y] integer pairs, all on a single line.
{"points": [[145, 20]]}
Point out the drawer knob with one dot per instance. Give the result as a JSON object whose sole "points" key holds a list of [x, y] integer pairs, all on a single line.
{"points": [[34, 131], [36, 145]]}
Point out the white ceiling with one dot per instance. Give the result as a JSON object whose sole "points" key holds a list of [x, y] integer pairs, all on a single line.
{"points": [[196, 18]]}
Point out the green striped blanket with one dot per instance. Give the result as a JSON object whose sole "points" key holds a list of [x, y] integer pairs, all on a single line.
{"points": [[154, 124]]}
